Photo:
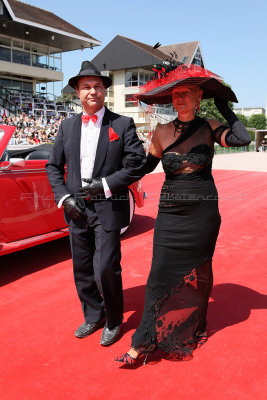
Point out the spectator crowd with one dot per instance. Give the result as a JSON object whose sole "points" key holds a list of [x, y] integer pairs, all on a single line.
{"points": [[33, 130]]}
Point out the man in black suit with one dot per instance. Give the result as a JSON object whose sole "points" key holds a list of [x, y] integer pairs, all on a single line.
{"points": [[94, 145]]}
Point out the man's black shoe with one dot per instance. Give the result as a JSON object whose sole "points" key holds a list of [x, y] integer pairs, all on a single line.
{"points": [[86, 329], [109, 336]]}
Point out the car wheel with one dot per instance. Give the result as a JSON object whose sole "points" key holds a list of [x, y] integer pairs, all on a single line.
{"points": [[132, 207]]}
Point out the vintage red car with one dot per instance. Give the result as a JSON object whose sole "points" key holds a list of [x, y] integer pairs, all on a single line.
{"points": [[28, 213]]}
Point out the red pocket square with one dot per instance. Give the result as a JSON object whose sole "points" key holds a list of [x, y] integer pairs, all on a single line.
{"points": [[112, 135]]}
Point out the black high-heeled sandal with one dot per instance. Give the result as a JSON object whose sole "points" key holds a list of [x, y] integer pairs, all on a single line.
{"points": [[127, 359]]}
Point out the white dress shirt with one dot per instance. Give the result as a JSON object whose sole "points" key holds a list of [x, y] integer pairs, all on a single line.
{"points": [[89, 140]]}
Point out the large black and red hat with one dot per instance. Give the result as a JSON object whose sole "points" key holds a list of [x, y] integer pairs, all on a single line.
{"points": [[89, 69], [159, 91]]}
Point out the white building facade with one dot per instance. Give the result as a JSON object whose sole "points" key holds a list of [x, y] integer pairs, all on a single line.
{"points": [[249, 111]]}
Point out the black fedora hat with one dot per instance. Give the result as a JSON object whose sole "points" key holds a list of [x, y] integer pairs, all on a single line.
{"points": [[89, 69]]}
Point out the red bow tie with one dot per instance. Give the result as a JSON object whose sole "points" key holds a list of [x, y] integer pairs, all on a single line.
{"points": [[86, 118]]}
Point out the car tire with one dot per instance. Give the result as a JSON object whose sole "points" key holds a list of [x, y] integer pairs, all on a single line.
{"points": [[132, 208]]}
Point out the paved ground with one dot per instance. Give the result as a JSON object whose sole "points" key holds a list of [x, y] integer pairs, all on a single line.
{"points": [[39, 310], [251, 161]]}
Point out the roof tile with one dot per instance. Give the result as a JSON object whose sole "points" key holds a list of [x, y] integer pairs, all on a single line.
{"points": [[38, 15]]}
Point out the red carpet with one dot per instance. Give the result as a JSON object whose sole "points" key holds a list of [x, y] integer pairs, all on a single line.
{"points": [[40, 359]]}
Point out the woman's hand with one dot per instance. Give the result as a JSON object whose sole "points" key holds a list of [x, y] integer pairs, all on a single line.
{"points": [[225, 110]]}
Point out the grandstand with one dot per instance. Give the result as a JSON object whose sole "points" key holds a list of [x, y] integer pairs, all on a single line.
{"points": [[32, 41], [42, 105]]}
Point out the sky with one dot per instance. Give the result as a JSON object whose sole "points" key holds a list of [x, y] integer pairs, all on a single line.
{"points": [[232, 34]]}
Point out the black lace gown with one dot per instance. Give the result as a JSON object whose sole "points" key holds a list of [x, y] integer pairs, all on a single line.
{"points": [[186, 230]]}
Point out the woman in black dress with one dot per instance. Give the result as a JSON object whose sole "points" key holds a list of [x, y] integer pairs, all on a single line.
{"points": [[188, 221]]}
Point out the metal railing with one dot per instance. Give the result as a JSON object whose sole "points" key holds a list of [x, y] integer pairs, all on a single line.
{"points": [[5, 102], [151, 116], [45, 95], [45, 104]]}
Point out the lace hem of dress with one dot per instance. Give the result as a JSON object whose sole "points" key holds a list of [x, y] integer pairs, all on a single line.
{"points": [[177, 319]]}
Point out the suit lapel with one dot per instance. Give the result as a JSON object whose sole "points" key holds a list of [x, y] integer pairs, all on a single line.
{"points": [[102, 145], [76, 146]]}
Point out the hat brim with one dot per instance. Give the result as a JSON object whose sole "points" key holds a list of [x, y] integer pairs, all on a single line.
{"points": [[74, 80], [211, 88]]}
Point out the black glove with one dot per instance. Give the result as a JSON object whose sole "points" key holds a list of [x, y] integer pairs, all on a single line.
{"points": [[151, 163], [94, 187], [238, 135], [74, 210], [133, 160], [226, 111]]}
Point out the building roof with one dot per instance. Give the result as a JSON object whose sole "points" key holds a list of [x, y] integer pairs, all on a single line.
{"points": [[147, 48], [125, 53], [39, 19], [68, 90], [181, 50]]}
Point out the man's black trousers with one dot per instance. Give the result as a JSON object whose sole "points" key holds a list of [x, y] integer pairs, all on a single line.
{"points": [[96, 256]]}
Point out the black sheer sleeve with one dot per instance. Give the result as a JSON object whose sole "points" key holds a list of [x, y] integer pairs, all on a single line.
{"points": [[218, 132], [237, 136]]}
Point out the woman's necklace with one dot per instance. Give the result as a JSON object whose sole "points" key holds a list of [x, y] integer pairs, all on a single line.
{"points": [[181, 126]]}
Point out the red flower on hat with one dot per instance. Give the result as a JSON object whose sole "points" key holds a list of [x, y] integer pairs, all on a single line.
{"points": [[112, 135]]}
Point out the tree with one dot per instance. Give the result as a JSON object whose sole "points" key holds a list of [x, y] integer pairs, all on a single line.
{"points": [[209, 110], [65, 98], [251, 134], [257, 121], [242, 118]]}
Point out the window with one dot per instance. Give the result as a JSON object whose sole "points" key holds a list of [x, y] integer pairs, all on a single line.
{"points": [[20, 57], [27, 87], [130, 101], [5, 41], [137, 78], [131, 79], [27, 53], [39, 49], [1, 7], [184, 59], [16, 85], [5, 54], [6, 83], [55, 62], [198, 55], [197, 58], [196, 62], [39, 61], [18, 44], [141, 80], [40, 57], [27, 46]]}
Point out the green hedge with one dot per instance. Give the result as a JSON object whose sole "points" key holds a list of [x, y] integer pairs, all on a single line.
{"points": [[227, 150]]}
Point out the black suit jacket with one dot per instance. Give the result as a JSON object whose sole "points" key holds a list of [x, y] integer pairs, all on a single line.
{"points": [[113, 213]]}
